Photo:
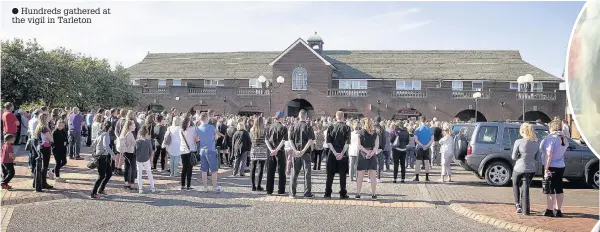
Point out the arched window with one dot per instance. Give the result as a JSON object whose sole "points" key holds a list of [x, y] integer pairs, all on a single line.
{"points": [[299, 79]]}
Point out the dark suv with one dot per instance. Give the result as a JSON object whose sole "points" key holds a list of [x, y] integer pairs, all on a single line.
{"points": [[488, 147]]}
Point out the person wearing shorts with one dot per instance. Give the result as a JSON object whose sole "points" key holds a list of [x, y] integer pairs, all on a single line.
{"points": [[208, 151], [553, 149]]}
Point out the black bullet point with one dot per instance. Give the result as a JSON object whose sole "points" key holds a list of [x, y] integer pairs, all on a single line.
{"points": [[15, 11]]}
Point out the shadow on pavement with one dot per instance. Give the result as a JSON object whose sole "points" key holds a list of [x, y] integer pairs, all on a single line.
{"points": [[168, 202]]}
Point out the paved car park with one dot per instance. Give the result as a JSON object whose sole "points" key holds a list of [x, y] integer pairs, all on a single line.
{"points": [[468, 204]]}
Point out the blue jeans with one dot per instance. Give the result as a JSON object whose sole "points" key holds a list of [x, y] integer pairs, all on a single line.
{"points": [[208, 160], [411, 157], [75, 145]]}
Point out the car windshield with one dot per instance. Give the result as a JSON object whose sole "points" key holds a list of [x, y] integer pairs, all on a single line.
{"points": [[466, 130]]}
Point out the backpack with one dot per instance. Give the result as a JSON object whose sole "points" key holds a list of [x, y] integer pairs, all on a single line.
{"points": [[122, 143]]}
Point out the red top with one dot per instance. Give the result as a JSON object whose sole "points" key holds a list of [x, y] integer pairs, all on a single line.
{"points": [[9, 121], [7, 149]]}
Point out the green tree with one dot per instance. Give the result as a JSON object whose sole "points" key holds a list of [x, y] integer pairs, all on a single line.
{"points": [[61, 78]]}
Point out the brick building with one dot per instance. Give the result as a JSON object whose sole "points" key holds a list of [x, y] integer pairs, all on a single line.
{"points": [[399, 84]]}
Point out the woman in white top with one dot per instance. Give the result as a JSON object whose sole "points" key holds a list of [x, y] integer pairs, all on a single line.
{"points": [[289, 155], [353, 150], [325, 144], [173, 148], [188, 150], [447, 151]]}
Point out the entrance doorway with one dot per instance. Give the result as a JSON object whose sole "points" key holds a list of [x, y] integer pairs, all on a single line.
{"points": [[536, 115], [407, 114], [294, 107], [155, 108], [469, 116]]}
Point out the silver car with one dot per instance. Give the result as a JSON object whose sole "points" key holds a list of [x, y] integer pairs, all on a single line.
{"points": [[489, 148]]}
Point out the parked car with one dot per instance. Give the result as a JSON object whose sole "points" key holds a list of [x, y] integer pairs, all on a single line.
{"points": [[489, 147]]}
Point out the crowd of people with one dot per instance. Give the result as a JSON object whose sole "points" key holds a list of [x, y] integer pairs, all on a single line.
{"points": [[127, 143]]}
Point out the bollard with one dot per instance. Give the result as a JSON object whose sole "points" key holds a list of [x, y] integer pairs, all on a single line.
{"points": [[38, 183], [525, 201]]}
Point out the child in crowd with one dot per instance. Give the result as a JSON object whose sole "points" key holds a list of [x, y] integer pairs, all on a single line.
{"points": [[8, 160], [143, 153], [59, 148]]}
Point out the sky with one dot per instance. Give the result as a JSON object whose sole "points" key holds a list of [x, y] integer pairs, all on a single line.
{"points": [[540, 30]]}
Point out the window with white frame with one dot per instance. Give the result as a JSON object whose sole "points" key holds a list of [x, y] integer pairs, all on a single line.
{"points": [[254, 83], [353, 84], [299, 79], [213, 83], [457, 85], [515, 85], [177, 82], [162, 83], [135, 81], [537, 87], [477, 85], [408, 84]]}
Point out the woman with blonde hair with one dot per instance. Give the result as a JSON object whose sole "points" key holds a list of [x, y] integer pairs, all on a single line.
{"points": [[369, 143], [258, 152], [353, 149], [172, 144], [553, 149], [126, 147], [42, 133], [525, 152], [447, 152]]}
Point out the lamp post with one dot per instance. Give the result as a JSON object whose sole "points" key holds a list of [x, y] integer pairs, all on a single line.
{"points": [[524, 82], [476, 96], [378, 106], [267, 85], [224, 104]]}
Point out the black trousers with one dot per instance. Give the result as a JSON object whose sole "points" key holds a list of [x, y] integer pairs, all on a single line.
{"points": [[261, 167], [162, 153], [272, 163], [186, 171], [399, 158], [336, 166], [113, 164], [88, 142], [104, 173], [130, 171], [46, 153], [517, 180], [317, 156], [60, 158], [8, 172]]}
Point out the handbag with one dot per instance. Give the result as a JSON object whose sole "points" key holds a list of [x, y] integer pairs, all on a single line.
{"points": [[93, 162], [258, 153], [547, 185], [194, 158], [167, 140]]}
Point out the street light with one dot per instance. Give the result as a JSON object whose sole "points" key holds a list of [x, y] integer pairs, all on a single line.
{"points": [[378, 106], [224, 104], [476, 95], [266, 85], [524, 81]]}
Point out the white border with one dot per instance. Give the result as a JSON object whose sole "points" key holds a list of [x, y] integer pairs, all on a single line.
{"points": [[300, 40], [589, 145]]}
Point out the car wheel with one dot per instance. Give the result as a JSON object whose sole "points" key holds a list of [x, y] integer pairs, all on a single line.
{"points": [[594, 177], [498, 174]]}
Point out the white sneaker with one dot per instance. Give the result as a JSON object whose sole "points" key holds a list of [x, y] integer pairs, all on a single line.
{"points": [[368, 180], [141, 191], [153, 190], [378, 180], [217, 189]]}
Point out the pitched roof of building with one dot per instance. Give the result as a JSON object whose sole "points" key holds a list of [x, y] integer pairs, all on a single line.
{"points": [[496, 65]]}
